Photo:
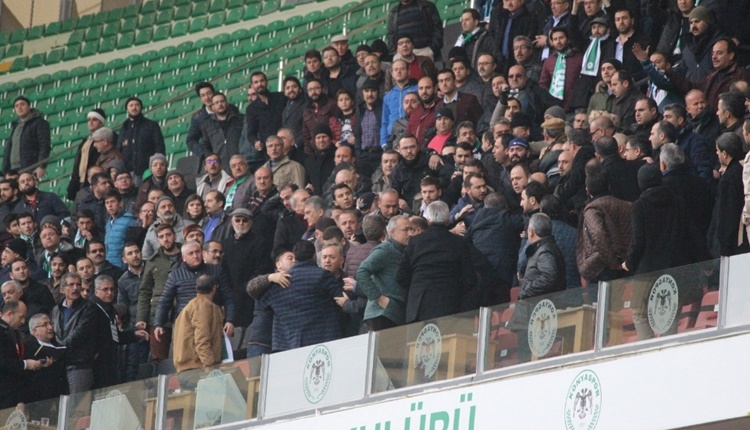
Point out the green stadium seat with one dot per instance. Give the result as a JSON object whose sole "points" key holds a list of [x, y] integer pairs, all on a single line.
{"points": [[129, 24], [108, 44], [115, 64], [234, 16], [18, 35], [144, 36], [294, 21], [231, 4], [96, 68], [269, 6], [72, 52], [167, 51], [222, 39], [200, 8], [84, 22], [148, 20], [78, 72], [312, 17], [18, 64], [182, 12], [185, 46], [165, 16], [275, 26], [43, 79], [35, 32], [181, 2], [203, 43], [149, 55], [130, 60], [126, 40], [93, 33], [240, 35], [14, 50], [2, 51], [4, 38], [115, 15], [218, 6], [162, 32], [251, 12], [331, 12], [90, 48], [76, 37], [69, 25], [51, 29], [180, 28], [216, 20], [100, 18], [198, 24], [37, 60], [149, 7], [61, 75], [166, 4], [112, 29], [131, 11]]}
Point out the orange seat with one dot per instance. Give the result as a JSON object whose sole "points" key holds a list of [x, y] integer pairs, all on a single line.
{"points": [[709, 313], [83, 423], [514, 294], [686, 319]]}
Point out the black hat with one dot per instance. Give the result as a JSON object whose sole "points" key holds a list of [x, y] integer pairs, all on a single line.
{"points": [[521, 119], [370, 84], [457, 51], [131, 98], [649, 176], [444, 112], [322, 129], [18, 246], [613, 61]]}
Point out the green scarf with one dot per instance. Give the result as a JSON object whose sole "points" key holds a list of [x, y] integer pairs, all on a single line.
{"points": [[557, 86], [233, 190], [592, 56]]}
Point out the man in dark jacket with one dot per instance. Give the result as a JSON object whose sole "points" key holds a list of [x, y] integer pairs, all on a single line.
{"points": [[291, 115], [263, 116], [475, 39], [291, 227], [304, 313], [50, 381], [697, 150], [622, 175], [545, 269], [38, 203], [411, 169], [250, 256], [35, 295], [222, 130], [205, 92], [436, 269], [139, 138], [420, 20], [180, 289], [318, 111], [319, 165], [367, 128], [12, 362], [29, 140], [74, 328]]}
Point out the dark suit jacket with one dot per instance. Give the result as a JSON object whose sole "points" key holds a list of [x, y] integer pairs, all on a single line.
{"points": [[623, 177], [437, 271], [468, 108]]}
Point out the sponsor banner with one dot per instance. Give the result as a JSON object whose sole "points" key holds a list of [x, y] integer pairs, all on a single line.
{"points": [[316, 376], [651, 390]]}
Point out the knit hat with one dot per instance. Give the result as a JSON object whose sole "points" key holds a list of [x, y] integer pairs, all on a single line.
{"points": [[617, 64], [175, 172], [161, 199], [555, 112], [51, 219], [378, 46], [457, 51], [521, 119], [189, 229], [363, 47], [444, 112], [649, 176], [325, 222], [519, 141], [99, 114], [131, 98], [18, 246], [701, 14], [155, 157], [322, 129]]}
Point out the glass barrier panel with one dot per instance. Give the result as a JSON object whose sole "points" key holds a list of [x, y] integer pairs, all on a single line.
{"points": [[541, 327], [428, 351], [40, 415], [124, 406], [737, 301], [201, 398], [664, 302]]}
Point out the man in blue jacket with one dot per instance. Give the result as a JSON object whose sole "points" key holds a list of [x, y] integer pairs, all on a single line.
{"points": [[118, 223]]}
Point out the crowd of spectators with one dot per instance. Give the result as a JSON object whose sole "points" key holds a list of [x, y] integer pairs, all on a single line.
{"points": [[556, 145]]}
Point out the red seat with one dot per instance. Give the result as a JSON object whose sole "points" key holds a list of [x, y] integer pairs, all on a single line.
{"points": [[83, 423], [709, 313], [686, 318], [514, 294]]}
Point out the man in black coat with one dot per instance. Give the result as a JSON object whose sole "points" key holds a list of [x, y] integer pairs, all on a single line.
{"points": [[139, 138], [436, 269], [222, 130], [291, 227], [264, 115], [412, 167], [205, 92], [36, 296], [29, 140], [249, 256], [522, 24], [51, 381], [320, 164], [621, 174], [12, 362]]}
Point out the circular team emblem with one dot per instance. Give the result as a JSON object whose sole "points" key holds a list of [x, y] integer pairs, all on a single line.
{"points": [[427, 350], [114, 393], [583, 403], [318, 373], [663, 304], [542, 327], [16, 421]]}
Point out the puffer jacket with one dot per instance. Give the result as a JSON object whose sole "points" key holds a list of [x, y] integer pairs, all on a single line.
{"points": [[114, 239], [545, 270]]}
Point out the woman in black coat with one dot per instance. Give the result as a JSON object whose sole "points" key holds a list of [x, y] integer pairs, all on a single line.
{"points": [[730, 198]]}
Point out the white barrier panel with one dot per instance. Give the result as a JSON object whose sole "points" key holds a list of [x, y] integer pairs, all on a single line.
{"points": [[673, 387], [737, 310], [316, 376]]}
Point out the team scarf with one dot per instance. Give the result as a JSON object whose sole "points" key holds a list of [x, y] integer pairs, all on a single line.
{"points": [[592, 56], [557, 87]]}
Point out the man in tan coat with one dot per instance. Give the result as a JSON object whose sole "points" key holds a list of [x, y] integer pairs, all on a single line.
{"points": [[198, 333]]}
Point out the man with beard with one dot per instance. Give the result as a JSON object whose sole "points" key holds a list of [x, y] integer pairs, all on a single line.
{"points": [[8, 199], [165, 213], [412, 168], [509, 22], [628, 35], [96, 252], [94, 201], [250, 256], [474, 38], [562, 68], [59, 264], [128, 286], [128, 192], [215, 179], [597, 44], [216, 223], [423, 116], [375, 70], [696, 62], [222, 129], [319, 165], [87, 154], [532, 97], [318, 111], [158, 179], [473, 200], [338, 75], [150, 291], [118, 223], [263, 116], [29, 140], [35, 295], [38, 203], [419, 66], [139, 138], [205, 92], [393, 101], [291, 115]]}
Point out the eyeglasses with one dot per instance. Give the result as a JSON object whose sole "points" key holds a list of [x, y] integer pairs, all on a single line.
{"points": [[46, 324], [106, 290], [241, 220], [212, 161], [97, 251]]}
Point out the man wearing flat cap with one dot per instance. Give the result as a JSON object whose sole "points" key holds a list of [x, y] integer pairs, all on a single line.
{"points": [[139, 137], [87, 154], [29, 140], [341, 43]]}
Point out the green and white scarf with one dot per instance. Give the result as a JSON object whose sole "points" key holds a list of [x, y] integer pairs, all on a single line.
{"points": [[557, 87], [592, 56]]}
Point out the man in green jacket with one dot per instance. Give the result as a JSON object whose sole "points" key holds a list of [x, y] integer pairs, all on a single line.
{"points": [[376, 276]]}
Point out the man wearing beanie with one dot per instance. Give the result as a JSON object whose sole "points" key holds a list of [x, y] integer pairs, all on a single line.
{"points": [[603, 99], [29, 140], [319, 166], [165, 214], [139, 138], [158, 179], [109, 156], [319, 110], [87, 155]]}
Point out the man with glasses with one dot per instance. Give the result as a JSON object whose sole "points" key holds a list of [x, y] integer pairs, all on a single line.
{"points": [[50, 381], [213, 252], [124, 185], [508, 22], [419, 65], [215, 179]]}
